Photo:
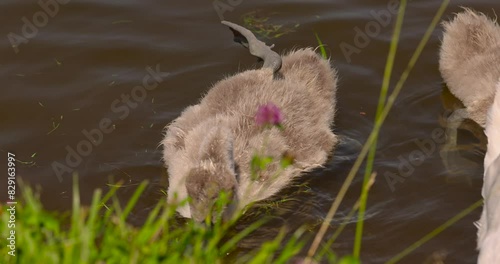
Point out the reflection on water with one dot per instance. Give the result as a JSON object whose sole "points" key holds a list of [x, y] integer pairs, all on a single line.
{"points": [[62, 82]]}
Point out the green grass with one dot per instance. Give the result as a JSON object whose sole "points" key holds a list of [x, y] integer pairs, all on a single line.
{"points": [[321, 47], [381, 104], [369, 148], [100, 233]]}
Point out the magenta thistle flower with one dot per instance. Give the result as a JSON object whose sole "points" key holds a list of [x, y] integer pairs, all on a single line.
{"points": [[268, 114]]}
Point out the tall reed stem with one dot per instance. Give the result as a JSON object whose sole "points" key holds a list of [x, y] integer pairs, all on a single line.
{"points": [[371, 139], [381, 103]]}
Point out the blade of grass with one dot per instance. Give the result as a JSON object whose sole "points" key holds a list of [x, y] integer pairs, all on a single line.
{"points": [[87, 246], [81, 240], [268, 250], [349, 216], [292, 247], [70, 245], [373, 134], [235, 239], [76, 201], [133, 200], [321, 46], [381, 103], [162, 224], [435, 232], [111, 192]]}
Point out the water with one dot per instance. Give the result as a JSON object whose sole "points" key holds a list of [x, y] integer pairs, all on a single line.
{"points": [[68, 76]]}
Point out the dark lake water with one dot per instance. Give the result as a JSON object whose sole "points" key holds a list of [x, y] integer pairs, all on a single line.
{"points": [[70, 71]]}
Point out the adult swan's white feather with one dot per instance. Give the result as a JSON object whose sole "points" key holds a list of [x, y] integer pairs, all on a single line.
{"points": [[489, 224]]}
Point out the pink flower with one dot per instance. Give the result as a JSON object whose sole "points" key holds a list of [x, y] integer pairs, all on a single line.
{"points": [[268, 114]]}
